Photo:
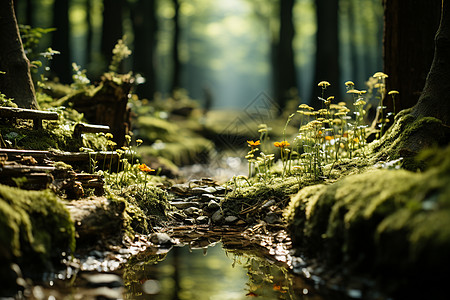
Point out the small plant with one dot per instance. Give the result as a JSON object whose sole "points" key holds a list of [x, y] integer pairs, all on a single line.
{"points": [[284, 152], [381, 86], [120, 52], [80, 80], [251, 155], [146, 169]]}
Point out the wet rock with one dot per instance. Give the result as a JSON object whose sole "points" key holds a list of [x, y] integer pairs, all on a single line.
{"points": [[202, 220], [213, 206], [220, 190], [192, 211], [179, 216], [207, 197], [162, 239], [203, 190], [231, 219], [183, 205], [217, 217], [189, 221], [271, 218], [103, 280], [179, 189]]}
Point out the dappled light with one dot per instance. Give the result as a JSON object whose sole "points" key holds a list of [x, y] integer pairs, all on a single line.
{"points": [[201, 149]]}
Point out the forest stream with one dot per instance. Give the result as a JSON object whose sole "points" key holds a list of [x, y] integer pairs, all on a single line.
{"points": [[191, 258]]}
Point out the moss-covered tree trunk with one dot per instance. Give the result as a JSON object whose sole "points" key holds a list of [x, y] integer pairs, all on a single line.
{"points": [[17, 82], [406, 24], [435, 98], [427, 123]]}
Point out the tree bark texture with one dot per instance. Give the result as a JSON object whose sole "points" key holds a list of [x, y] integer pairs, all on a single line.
{"points": [[435, 98], [17, 82], [409, 27], [327, 50]]}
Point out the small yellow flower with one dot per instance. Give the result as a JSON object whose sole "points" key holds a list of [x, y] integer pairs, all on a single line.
{"points": [[282, 144], [109, 135], [380, 75], [353, 91], [324, 84], [393, 92], [349, 83], [254, 144], [139, 141], [145, 168], [360, 102]]}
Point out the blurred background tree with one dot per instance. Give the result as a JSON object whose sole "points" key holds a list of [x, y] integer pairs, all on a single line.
{"points": [[233, 49]]}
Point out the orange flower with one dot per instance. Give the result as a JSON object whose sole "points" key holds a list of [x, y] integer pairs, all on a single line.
{"points": [[282, 144], [329, 137], [145, 168], [253, 144]]}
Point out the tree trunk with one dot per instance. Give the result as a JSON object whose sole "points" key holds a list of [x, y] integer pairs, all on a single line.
{"points": [[327, 53], [427, 123], [61, 63], [90, 32], [435, 98], [285, 72], [17, 82], [407, 26], [112, 29], [176, 75], [145, 27]]}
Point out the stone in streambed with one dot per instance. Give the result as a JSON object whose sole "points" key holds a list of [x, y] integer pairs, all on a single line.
{"points": [[202, 220], [192, 211], [183, 205], [213, 206], [161, 239], [231, 219], [217, 217], [203, 190]]}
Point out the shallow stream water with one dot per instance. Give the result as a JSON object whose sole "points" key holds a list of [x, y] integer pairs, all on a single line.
{"points": [[213, 273]]}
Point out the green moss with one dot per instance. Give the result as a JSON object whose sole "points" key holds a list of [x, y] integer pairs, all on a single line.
{"points": [[390, 222], [35, 227], [407, 137], [172, 142], [143, 208]]}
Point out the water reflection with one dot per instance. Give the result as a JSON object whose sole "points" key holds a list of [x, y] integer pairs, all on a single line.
{"points": [[194, 273]]}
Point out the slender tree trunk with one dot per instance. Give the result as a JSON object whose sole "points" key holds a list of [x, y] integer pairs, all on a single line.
{"points": [[327, 53], [145, 27], [112, 29], [176, 75], [407, 26], [17, 82], [285, 72], [90, 32], [61, 63]]}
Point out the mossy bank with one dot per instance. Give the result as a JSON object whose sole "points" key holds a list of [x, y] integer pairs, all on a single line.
{"points": [[392, 225], [35, 231]]}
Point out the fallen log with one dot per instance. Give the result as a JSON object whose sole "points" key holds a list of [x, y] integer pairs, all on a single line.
{"points": [[31, 114]]}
